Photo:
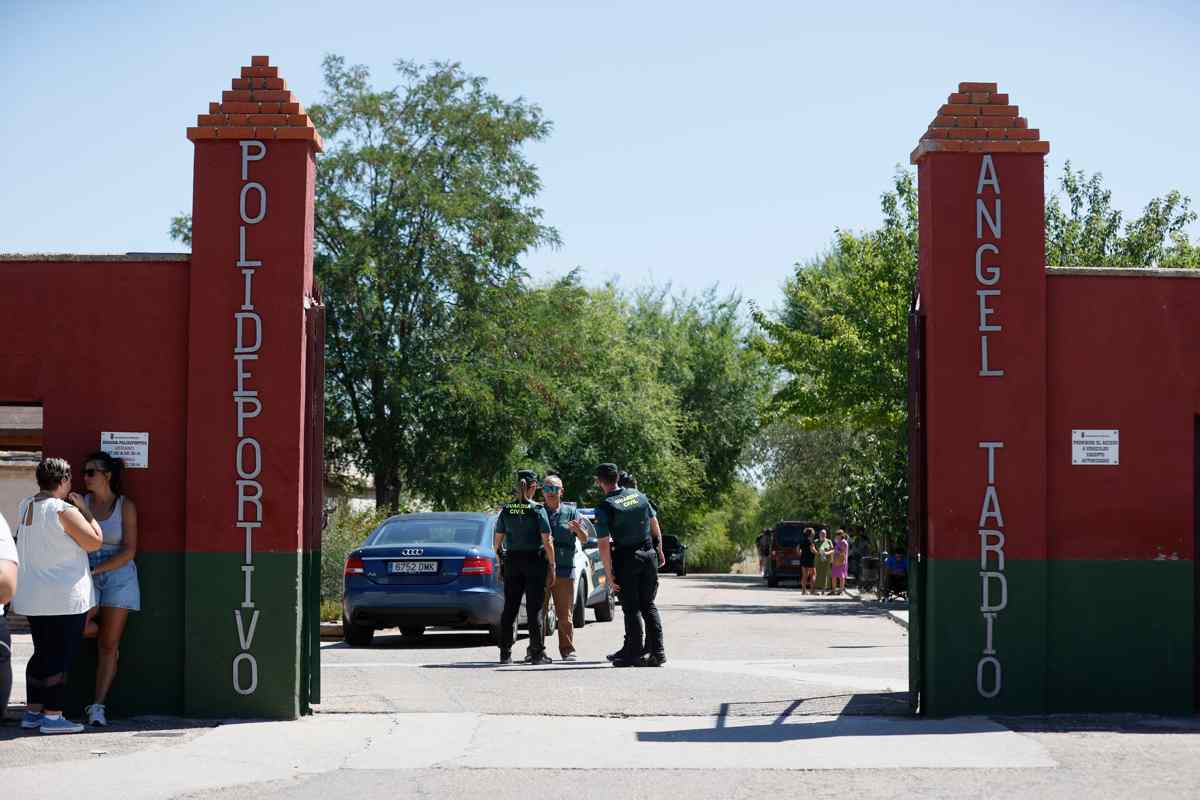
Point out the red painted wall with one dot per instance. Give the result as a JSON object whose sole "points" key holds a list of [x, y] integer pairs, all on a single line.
{"points": [[103, 346], [1123, 352], [282, 241], [963, 407]]}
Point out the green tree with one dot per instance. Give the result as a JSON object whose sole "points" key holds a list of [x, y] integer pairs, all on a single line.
{"points": [[1088, 232], [423, 212]]}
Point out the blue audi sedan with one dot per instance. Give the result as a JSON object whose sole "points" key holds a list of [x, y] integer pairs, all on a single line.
{"points": [[423, 570]]}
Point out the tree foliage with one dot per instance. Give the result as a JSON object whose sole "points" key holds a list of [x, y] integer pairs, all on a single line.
{"points": [[424, 208], [1083, 229], [838, 444]]}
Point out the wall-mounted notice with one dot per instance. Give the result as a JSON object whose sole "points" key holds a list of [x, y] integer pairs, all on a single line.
{"points": [[134, 448], [1090, 447]]}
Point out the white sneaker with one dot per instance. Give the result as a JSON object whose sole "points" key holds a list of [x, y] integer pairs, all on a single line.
{"points": [[95, 715]]}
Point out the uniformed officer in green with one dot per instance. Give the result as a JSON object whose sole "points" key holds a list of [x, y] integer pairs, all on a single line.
{"points": [[528, 568], [623, 528]]}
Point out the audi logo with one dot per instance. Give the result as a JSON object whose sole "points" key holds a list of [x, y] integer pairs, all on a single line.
{"points": [[412, 551]]}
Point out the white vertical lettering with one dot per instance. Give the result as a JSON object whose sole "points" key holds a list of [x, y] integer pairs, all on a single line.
{"points": [[994, 663], [237, 682], [247, 158], [991, 448], [990, 620], [242, 316], [243, 415], [240, 359], [981, 214], [247, 302], [248, 573], [984, 311], [262, 203], [242, 471], [987, 175], [248, 530], [254, 497], [985, 370]]}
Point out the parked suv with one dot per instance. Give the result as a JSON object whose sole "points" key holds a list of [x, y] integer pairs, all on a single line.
{"points": [[783, 547]]}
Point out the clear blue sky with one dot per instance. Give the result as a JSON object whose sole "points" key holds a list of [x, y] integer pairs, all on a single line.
{"points": [[694, 143]]}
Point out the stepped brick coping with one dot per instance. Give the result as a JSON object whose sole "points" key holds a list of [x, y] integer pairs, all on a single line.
{"points": [[1125, 272], [979, 119], [258, 106], [100, 257]]}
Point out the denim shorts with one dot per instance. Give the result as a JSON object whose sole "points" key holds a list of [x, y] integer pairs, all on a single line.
{"points": [[116, 588]]}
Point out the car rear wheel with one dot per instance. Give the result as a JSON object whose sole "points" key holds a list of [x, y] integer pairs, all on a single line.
{"points": [[606, 610], [578, 617], [356, 635], [412, 631]]}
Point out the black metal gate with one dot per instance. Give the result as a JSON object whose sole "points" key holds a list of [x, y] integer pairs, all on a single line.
{"points": [[916, 501], [314, 502]]}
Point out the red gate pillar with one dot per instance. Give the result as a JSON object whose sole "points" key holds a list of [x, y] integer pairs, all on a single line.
{"points": [[983, 294], [251, 280]]}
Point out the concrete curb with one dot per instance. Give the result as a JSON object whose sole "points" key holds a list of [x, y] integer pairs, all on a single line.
{"points": [[331, 630], [898, 617]]}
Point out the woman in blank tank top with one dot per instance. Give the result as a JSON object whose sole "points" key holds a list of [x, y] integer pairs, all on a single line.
{"points": [[114, 573]]}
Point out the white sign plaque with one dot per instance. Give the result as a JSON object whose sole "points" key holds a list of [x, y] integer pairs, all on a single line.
{"points": [[133, 448], [1095, 447]]}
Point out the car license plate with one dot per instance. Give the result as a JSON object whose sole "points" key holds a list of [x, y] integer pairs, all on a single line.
{"points": [[795, 562], [413, 567]]}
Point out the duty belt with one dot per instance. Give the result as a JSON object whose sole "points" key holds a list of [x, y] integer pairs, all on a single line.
{"points": [[648, 544]]}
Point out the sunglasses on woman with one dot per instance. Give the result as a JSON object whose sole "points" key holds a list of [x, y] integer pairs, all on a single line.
{"points": [[91, 473]]}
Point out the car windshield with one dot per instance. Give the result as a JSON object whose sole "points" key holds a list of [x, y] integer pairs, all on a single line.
{"points": [[431, 531], [789, 537], [670, 541]]}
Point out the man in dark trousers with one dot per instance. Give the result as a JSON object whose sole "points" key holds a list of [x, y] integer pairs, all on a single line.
{"points": [[623, 529], [528, 567]]}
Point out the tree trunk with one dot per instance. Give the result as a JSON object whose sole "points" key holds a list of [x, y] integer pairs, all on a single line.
{"points": [[387, 489]]}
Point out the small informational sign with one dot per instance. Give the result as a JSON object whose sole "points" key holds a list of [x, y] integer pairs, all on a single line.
{"points": [[133, 448], [1095, 447]]}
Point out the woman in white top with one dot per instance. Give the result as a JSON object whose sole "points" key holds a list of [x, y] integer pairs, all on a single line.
{"points": [[55, 532], [114, 573]]}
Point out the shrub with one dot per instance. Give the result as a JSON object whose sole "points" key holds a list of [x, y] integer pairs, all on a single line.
{"points": [[346, 530]]}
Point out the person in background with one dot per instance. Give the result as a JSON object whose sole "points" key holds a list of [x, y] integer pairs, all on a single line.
{"points": [[841, 560], [565, 535], [55, 533], [824, 561], [526, 573], [8, 585], [859, 548], [114, 573], [808, 566]]}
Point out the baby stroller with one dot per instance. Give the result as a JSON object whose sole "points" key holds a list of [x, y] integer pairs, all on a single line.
{"points": [[893, 577]]}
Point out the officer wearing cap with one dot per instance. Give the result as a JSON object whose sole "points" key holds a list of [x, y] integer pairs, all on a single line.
{"points": [[529, 566], [623, 528]]}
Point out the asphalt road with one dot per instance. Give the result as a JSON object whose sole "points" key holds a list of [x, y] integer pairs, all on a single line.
{"points": [[765, 692]]}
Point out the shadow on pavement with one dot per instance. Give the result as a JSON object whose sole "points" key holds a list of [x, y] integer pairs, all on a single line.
{"points": [[143, 727], [433, 640], [835, 607]]}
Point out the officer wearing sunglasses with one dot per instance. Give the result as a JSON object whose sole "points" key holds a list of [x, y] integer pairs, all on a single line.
{"points": [[529, 566]]}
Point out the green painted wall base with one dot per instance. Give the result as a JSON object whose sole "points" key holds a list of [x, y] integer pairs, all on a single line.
{"points": [[177, 653], [150, 669], [215, 589], [1094, 636]]}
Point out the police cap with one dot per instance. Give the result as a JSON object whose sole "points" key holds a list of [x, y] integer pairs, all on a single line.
{"points": [[607, 472]]}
